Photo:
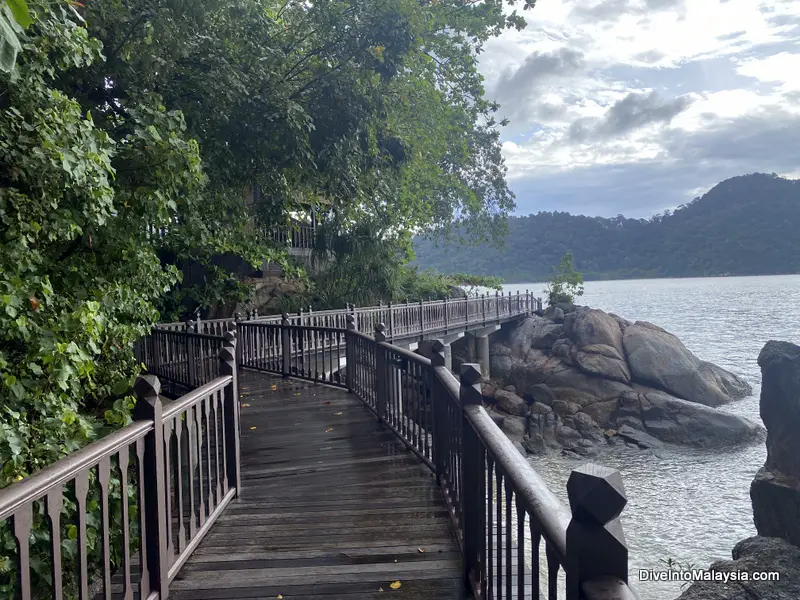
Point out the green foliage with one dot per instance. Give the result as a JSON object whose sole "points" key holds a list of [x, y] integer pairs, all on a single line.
{"points": [[132, 136], [743, 226], [14, 18], [565, 284]]}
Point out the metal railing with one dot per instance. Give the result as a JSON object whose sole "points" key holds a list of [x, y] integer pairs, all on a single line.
{"points": [[502, 510], [129, 509], [400, 320]]}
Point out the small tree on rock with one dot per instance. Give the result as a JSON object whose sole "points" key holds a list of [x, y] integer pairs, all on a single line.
{"points": [[566, 283]]}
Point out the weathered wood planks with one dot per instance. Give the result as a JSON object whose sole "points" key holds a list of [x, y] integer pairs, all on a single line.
{"points": [[332, 506]]}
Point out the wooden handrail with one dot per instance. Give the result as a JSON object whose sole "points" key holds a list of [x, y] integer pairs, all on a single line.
{"points": [[140, 459]]}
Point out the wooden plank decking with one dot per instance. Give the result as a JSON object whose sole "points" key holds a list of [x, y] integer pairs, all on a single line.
{"points": [[333, 506]]}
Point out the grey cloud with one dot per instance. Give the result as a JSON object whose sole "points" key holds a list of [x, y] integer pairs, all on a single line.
{"points": [[518, 90], [634, 111], [651, 56], [610, 10], [768, 143], [537, 67]]}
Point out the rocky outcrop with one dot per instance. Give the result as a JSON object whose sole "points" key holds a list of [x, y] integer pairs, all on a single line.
{"points": [[660, 359], [598, 376], [752, 555], [775, 491]]}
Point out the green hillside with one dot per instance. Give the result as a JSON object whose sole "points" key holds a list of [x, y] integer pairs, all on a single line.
{"points": [[748, 225]]}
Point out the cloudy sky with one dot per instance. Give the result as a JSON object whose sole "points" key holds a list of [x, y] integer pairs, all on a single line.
{"points": [[634, 106]]}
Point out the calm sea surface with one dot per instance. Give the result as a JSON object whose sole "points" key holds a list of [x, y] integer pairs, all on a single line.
{"points": [[691, 505]]}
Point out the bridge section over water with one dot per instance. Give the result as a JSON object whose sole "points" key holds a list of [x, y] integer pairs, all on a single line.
{"points": [[254, 485]]}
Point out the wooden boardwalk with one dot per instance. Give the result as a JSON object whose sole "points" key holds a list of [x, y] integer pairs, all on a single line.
{"points": [[333, 506]]}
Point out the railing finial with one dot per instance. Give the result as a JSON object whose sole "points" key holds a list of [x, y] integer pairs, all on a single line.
{"points": [[470, 392], [596, 547], [351, 322], [380, 332], [147, 386], [437, 353]]}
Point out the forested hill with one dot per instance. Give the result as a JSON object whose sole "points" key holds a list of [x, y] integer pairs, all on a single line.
{"points": [[747, 225]]}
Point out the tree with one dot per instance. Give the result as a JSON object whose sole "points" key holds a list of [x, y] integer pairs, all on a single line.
{"points": [[14, 18], [565, 284]]}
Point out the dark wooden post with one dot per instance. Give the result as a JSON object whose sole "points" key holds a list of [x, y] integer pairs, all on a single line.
{"points": [[497, 302], [596, 548], [439, 400], [422, 316], [473, 482], [350, 350], [519, 306], [286, 346], [528, 302], [391, 322], [483, 308], [154, 537], [191, 354], [380, 372], [240, 346], [227, 366], [446, 321]]}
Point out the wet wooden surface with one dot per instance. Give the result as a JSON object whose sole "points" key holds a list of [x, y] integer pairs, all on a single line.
{"points": [[333, 506]]}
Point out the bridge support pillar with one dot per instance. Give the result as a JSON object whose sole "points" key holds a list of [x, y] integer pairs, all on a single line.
{"points": [[447, 340], [482, 352], [482, 347]]}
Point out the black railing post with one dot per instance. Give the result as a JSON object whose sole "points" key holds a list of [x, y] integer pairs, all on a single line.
{"points": [[153, 539], [422, 316], [497, 302], [380, 372], [286, 346], [483, 308], [446, 321], [596, 548], [473, 479], [528, 302], [191, 355], [439, 399], [350, 352], [391, 322], [519, 306], [227, 366]]}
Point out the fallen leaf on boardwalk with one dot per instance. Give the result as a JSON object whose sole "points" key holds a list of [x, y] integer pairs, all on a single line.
{"points": [[380, 589], [244, 394], [337, 414], [420, 549], [274, 387], [329, 430], [298, 394], [280, 597], [251, 429], [327, 402], [245, 405], [395, 585]]}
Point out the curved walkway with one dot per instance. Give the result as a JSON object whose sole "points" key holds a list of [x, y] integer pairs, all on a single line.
{"points": [[333, 506]]}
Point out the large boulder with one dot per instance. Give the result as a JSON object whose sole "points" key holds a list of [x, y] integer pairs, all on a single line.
{"points": [[660, 359], [594, 327], [534, 332], [677, 421], [510, 403], [775, 491], [604, 361], [753, 555]]}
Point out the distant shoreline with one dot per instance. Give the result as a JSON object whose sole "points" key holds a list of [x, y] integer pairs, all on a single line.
{"points": [[588, 279]]}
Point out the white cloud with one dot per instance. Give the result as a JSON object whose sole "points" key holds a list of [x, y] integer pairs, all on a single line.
{"points": [[625, 84]]}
